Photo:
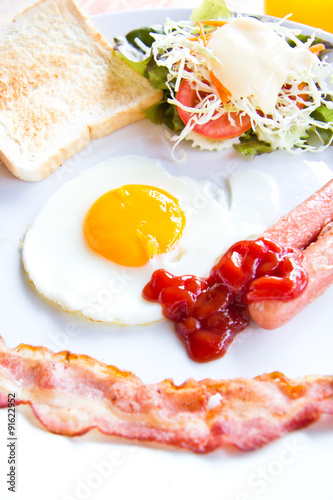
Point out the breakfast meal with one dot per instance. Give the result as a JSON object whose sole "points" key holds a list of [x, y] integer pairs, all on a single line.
{"points": [[213, 96], [130, 253], [269, 279], [61, 90], [236, 81], [128, 218], [127, 242], [72, 394]]}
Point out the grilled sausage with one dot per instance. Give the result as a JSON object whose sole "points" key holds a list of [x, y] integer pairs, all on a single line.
{"points": [[308, 228]]}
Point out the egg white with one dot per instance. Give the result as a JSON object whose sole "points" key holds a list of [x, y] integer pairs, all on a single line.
{"points": [[64, 269]]}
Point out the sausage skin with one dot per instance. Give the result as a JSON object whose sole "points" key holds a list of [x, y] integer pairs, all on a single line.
{"points": [[304, 223], [303, 229]]}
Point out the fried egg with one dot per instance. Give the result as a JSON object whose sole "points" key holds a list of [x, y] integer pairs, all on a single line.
{"points": [[96, 242]]}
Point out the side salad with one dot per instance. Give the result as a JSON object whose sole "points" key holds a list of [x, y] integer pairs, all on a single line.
{"points": [[234, 80]]}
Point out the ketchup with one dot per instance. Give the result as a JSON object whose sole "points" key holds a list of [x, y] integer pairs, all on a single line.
{"points": [[209, 312]]}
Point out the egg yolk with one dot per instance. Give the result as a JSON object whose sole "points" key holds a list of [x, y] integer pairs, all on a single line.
{"points": [[131, 224]]}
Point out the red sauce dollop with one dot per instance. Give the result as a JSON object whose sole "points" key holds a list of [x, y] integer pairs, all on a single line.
{"points": [[209, 312]]}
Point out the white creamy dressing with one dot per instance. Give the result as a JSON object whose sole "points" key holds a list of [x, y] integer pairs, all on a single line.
{"points": [[252, 60]]}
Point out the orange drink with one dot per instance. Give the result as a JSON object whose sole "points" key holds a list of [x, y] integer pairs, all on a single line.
{"points": [[318, 14]]}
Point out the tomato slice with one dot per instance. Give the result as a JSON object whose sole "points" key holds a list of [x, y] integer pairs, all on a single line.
{"points": [[222, 127]]}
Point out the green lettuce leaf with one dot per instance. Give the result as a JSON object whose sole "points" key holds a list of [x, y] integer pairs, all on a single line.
{"points": [[144, 35], [128, 49], [157, 74], [325, 115], [162, 113], [250, 146], [139, 66], [210, 9]]}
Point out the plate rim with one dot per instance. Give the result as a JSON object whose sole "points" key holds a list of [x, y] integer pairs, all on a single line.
{"points": [[286, 22]]}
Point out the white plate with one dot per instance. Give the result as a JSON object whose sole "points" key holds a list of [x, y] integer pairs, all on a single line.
{"points": [[94, 466]]}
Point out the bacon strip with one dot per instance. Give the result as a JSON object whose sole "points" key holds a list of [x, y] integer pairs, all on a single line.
{"points": [[71, 394], [308, 227]]}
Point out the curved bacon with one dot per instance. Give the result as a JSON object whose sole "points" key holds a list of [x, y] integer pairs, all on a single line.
{"points": [[71, 394]]}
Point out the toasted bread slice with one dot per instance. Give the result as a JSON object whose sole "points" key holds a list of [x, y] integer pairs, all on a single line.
{"points": [[61, 85]]}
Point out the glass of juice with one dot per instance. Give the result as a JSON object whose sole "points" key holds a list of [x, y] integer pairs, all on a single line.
{"points": [[318, 14]]}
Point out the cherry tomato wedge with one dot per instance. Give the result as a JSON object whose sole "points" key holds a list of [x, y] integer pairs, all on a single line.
{"points": [[221, 128]]}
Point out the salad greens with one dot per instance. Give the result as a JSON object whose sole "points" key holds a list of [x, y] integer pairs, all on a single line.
{"points": [[130, 49], [210, 9], [325, 115], [249, 145], [153, 52]]}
